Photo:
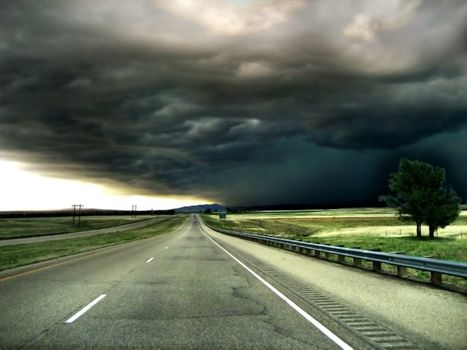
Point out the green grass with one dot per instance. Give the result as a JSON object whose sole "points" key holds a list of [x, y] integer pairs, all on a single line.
{"points": [[441, 248], [309, 228], [28, 227], [24, 254], [306, 229]]}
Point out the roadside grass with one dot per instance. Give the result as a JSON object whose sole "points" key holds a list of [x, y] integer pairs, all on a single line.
{"points": [[308, 229], [322, 212], [24, 254], [300, 227], [440, 248], [29, 227]]}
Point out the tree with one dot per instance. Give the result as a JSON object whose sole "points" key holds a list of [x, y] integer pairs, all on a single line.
{"points": [[442, 210], [421, 195]]}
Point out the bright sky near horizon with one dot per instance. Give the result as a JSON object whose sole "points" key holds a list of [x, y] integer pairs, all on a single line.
{"points": [[22, 189]]}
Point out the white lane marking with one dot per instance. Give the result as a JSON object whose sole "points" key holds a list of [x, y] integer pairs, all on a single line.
{"points": [[294, 306], [150, 259], [166, 248], [86, 308]]}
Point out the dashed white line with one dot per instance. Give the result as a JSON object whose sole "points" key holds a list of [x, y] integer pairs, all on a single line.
{"points": [[166, 248], [150, 259], [308, 317], [86, 308]]}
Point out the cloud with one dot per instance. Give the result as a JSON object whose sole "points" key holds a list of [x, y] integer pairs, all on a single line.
{"points": [[148, 95], [254, 70], [233, 17], [381, 15]]}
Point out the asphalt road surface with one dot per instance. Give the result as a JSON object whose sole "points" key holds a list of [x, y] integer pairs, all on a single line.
{"points": [[194, 289]]}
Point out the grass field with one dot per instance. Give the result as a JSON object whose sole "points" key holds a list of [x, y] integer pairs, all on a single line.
{"points": [[364, 228], [359, 228], [28, 227], [24, 254], [321, 212]]}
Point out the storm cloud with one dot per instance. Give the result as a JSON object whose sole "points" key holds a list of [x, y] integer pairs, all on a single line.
{"points": [[243, 102]]}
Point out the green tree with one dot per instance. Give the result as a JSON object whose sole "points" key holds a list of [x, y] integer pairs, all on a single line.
{"points": [[419, 194], [443, 209]]}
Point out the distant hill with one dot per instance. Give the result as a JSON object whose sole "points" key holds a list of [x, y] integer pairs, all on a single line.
{"points": [[200, 208]]}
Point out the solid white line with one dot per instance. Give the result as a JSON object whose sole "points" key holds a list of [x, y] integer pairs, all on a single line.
{"points": [[84, 309], [150, 259], [294, 306]]}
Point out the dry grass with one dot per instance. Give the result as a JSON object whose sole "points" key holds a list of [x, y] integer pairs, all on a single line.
{"points": [[352, 229]]}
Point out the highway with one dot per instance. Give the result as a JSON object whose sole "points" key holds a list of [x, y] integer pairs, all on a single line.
{"points": [[88, 233], [197, 289]]}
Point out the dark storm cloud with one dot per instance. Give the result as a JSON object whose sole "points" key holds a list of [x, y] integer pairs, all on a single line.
{"points": [[182, 100]]}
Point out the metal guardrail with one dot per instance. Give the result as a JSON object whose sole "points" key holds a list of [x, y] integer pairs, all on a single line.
{"points": [[436, 267]]}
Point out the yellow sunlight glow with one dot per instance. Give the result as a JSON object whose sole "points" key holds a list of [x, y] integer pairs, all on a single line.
{"points": [[24, 190]]}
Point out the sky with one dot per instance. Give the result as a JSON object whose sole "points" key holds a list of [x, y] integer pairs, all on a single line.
{"points": [[240, 102]]}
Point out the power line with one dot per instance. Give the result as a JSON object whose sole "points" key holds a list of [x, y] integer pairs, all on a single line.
{"points": [[77, 212]]}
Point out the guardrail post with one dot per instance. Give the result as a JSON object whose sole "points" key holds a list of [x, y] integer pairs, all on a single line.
{"points": [[401, 271], [357, 262], [436, 278], [376, 264], [327, 254], [340, 258]]}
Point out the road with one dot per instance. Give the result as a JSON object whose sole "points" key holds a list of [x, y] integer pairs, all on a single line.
{"points": [[196, 289], [54, 237]]}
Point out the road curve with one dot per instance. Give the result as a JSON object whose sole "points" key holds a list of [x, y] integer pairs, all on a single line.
{"points": [[54, 237]]}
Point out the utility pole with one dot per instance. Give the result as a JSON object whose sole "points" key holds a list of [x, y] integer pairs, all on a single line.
{"points": [[77, 212], [133, 211]]}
